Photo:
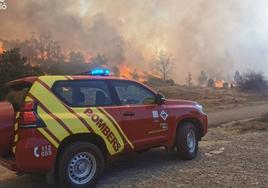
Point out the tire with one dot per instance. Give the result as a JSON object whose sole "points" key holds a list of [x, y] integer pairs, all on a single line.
{"points": [[186, 141], [80, 165]]}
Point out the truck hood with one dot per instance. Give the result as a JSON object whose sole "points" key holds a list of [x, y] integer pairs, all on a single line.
{"points": [[180, 102]]}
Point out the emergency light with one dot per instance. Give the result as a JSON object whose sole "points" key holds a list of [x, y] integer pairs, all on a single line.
{"points": [[99, 72]]}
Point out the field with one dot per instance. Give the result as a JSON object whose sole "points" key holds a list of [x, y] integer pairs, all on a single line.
{"points": [[213, 99], [233, 154]]}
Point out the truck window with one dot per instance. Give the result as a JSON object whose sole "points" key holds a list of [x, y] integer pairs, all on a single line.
{"points": [[83, 93], [132, 93], [16, 95]]}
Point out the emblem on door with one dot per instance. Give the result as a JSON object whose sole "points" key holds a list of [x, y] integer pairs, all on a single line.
{"points": [[164, 115]]}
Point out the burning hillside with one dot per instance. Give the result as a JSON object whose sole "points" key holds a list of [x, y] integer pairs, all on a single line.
{"points": [[127, 31]]}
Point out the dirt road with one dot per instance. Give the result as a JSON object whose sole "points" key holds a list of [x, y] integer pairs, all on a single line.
{"points": [[235, 114], [228, 157]]}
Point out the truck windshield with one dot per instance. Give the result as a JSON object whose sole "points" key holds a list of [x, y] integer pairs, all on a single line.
{"points": [[16, 94]]}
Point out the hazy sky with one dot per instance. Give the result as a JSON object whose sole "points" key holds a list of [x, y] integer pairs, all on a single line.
{"points": [[216, 36]]}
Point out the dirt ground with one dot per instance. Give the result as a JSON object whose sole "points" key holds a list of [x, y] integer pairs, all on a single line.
{"points": [[231, 155]]}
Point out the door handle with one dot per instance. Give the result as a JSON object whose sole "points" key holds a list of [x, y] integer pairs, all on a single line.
{"points": [[129, 114]]}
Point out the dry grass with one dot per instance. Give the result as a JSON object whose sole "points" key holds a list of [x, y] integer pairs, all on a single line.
{"points": [[210, 98], [240, 127], [264, 117]]}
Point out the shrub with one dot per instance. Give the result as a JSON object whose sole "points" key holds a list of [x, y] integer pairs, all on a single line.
{"points": [[264, 117], [253, 81]]}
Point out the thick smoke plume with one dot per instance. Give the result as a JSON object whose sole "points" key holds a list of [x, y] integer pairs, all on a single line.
{"points": [[215, 36]]}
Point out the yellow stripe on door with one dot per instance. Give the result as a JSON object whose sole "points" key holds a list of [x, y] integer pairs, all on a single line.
{"points": [[53, 104], [95, 128], [52, 124], [118, 126]]}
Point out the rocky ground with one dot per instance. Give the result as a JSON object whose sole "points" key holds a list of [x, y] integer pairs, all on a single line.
{"points": [[231, 155]]}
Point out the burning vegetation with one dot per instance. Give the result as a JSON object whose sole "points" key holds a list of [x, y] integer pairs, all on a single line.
{"points": [[150, 41], [130, 33]]}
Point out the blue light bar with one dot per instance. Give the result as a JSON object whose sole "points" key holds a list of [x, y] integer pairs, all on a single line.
{"points": [[100, 72]]}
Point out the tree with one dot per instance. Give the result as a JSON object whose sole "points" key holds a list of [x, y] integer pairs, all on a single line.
{"points": [[14, 66], [189, 79], [163, 64], [98, 61], [115, 71], [47, 47], [202, 79], [37, 49], [237, 77], [211, 83], [76, 58], [135, 75], [253, 81]]}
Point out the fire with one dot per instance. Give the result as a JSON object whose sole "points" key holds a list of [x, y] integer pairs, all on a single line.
{"points": [[219, 83], [1, 48], [125, 71]]}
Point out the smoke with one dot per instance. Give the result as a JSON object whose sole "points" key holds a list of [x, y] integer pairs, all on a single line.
{"points": [[215, 36]]}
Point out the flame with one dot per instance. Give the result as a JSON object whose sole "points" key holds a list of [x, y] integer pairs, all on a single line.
{"points": [[125, 71], [219, 83], [1, 48]]}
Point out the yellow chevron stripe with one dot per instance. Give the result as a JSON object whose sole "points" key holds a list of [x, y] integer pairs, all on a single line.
{"points": [[48, 137], [16, 127], [53, 104], [95, 128], [69, 77], [49, 80], [16, 138], [118, 126], [52, 124]]}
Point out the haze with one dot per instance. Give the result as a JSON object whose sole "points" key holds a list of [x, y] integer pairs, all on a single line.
{"points": [[216, 36]]}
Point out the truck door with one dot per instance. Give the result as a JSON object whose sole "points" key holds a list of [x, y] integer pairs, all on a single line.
{"points": [[143, 121]]}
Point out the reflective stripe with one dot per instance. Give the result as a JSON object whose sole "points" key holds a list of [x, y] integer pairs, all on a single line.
{"points": [[61, 120], [16, 127], [117, 126], [50, 114], [69, 77], [49, 80], [52, 124], [102, 118], [48, 137], [16, 138], [52, 103]]}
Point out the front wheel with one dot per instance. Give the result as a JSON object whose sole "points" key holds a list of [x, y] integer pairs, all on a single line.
{"points": [[80, 165], [186, 141]]}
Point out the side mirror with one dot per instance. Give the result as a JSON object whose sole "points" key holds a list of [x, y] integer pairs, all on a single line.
{"points": [[160, 99]]}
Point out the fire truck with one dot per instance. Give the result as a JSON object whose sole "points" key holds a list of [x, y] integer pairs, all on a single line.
{"points": [[69, 127]]}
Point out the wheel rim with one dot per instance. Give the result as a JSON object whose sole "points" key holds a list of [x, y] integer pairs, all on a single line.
{"points": [[191, 141], [82, 167]]}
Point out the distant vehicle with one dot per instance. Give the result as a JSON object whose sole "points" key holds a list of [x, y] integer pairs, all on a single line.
{"points": [[69, 126]]}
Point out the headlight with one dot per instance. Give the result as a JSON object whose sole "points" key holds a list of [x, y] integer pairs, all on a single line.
{"points": [[199, 107]]}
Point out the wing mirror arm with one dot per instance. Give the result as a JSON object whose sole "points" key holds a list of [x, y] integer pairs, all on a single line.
{"points": [[160, 99]]}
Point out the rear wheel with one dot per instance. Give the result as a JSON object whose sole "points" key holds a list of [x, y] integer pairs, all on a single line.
{"points": [[80, 165], [186, 141]]}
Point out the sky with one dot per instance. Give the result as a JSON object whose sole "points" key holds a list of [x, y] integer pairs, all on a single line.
{"points": [[218, 37]]}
